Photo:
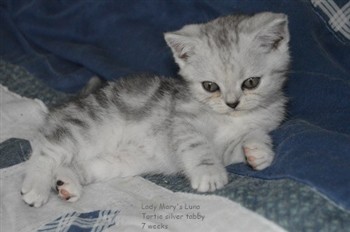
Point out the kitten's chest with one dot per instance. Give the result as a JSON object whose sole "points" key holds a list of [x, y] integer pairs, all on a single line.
{"points": [[230, 128], [229, 132], [235, 127], [228, 137]]}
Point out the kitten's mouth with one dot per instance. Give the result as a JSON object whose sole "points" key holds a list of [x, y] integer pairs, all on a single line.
{"points": [[237, 113]]}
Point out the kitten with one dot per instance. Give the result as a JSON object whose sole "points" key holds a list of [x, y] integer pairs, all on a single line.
{"points": [[220, 112]]}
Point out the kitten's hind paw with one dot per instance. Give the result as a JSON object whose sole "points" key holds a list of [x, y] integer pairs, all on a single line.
{"points": [[35, 191], [208, 178], [259, 155], [68, 187]]}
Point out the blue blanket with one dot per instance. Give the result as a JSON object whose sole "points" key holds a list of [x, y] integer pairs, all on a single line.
{"points": [[66, 42]]}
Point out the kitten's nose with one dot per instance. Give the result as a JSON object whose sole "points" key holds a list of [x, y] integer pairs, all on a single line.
{"points": [[233, 105]]}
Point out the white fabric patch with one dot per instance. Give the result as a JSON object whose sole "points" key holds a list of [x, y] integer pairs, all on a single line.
{"points": [[19, 116], [134, 204]]}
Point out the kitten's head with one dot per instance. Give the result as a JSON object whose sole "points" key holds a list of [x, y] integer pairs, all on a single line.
{"points": [[234, 63]]}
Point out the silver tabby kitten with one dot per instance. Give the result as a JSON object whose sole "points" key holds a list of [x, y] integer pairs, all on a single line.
{"points": [[220, 113]]}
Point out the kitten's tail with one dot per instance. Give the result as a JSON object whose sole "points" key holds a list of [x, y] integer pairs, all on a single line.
{"points": [[92, 86]]}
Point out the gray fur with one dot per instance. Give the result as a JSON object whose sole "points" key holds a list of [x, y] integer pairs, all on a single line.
{"points": [[77, 122], [58, 134], [149, 124]]}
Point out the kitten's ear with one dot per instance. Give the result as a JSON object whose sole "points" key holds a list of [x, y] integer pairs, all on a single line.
{"points": [[181, 44], [272, 31]]}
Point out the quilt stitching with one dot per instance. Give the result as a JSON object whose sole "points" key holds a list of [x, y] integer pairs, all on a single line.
{"points": [[338, 17], [95, 221]]}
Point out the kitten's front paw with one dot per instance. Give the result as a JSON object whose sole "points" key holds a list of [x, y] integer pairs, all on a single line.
{"points": [[208, 178], [35, 191], [259, 155]]}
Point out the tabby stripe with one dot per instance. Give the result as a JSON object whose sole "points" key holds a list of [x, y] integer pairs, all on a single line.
{"points": [[77, 122], [59, 134], [206, 162], [101, 98]]}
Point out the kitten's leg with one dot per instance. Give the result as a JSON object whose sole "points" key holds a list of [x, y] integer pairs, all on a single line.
{"points": [[37, 182], [67, 184], [257, 147], [201, 164], [41, 168], [208, 176]]}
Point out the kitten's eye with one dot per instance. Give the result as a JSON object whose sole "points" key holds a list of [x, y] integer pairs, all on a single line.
{"points": [[251, 83], [210, 86]]}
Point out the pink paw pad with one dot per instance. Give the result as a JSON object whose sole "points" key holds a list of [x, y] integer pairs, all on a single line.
{"points": [[248, 154], [62, 192], [258, 158]]}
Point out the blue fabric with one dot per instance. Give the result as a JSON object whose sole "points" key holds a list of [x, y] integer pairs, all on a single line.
{"points": [[95, 221], [14, 151], [65, 42]]}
